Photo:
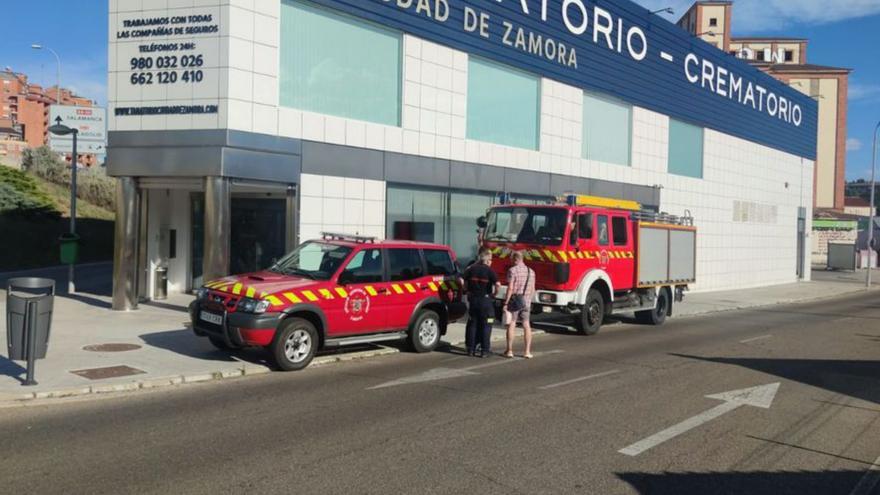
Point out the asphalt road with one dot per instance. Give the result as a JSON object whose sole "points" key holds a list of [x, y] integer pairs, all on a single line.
{"points": [[446, 423]]}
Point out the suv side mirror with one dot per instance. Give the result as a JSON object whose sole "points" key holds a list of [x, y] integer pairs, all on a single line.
{"points": [[482, 223]]}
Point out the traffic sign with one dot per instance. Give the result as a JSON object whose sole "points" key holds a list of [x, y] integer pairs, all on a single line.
{"points": [[91, 124]]}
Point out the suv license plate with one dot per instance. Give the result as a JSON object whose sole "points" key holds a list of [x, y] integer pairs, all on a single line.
{"points": [[211, 318]]}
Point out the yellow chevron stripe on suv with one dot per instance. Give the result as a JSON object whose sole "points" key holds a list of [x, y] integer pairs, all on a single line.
{"points": [[274, 301]]}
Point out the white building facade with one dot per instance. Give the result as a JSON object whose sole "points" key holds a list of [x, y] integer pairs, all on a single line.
{"points": [[239, 128]]}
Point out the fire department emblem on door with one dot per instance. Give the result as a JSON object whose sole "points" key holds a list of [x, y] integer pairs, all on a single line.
{"points": [[357, 305]]}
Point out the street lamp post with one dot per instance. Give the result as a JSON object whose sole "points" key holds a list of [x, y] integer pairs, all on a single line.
{"points": [[37, 46], [63, 130], [873, 209]]}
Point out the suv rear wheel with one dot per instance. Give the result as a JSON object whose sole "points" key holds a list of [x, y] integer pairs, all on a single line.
{"points": [[294, 345], [424, 334]]}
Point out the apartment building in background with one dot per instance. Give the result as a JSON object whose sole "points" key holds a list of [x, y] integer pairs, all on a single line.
{"points": [[26, 106], [786, 59]]}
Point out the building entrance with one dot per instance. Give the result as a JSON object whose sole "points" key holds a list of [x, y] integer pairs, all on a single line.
{"points": [[258, 233]]}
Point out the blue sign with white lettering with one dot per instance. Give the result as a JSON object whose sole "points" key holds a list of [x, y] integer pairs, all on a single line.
{"points": [[617, 48]]}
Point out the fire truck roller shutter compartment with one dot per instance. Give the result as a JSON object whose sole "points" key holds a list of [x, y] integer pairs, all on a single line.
{"points": [[667, 255]]}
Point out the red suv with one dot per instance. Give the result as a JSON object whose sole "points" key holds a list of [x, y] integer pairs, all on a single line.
{"points": [[339, 290]]}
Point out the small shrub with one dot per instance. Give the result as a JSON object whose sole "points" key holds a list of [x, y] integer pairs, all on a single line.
{"points": [[20, 195], [92, 184]]}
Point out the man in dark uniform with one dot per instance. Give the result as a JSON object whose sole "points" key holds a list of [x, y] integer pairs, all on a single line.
{"points": [[480, 283]]}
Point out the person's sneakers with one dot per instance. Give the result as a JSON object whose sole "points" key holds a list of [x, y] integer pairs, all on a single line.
{"points": [[486, 354]]}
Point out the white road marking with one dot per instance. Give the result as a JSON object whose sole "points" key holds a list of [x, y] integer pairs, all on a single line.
{"points": [[755, 339], [576, 380], [755, 396], [667, 57], [869, 481], [447, 373]]}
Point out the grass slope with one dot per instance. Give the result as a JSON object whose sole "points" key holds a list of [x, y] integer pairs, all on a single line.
{"points": [[34, 213]]}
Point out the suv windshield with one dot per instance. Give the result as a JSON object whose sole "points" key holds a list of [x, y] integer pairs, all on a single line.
{"points": [[315, 260], [545, 226]]}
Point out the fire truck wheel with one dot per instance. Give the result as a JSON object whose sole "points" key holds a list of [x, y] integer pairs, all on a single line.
{"points": [[592, 315], [424, 335], [294, 345], [656, 316]]}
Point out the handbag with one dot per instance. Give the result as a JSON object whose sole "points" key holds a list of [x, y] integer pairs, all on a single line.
{"points": [[517, 302]]}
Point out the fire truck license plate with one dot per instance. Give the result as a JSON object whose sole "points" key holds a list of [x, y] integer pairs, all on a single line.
{"points": [[211, 317]]}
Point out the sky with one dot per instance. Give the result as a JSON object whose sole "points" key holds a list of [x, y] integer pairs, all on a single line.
{"points": [[842, 33]]}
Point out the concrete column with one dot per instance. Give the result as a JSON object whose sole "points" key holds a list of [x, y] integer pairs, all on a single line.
{"points": [[291, 219], [125, 245], [218, 205]]}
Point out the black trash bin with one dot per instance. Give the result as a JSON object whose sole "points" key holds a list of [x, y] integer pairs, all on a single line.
{"points": [[29, 304]]}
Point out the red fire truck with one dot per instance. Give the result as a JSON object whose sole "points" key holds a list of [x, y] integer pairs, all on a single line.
{"points": [[594, 257]]}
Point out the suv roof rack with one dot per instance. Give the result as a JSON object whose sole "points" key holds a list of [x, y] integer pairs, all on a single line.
{"points": [[335, 236]]}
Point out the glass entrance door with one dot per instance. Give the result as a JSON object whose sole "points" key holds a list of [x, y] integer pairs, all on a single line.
{"points": [[258, 233]]}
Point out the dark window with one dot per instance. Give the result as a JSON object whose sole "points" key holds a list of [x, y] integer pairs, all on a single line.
{"points": [[789, 55], [760, 55], [439, 262], [585, 226], [618, 227], [364, 267], [404, 264], [713, 21], [602, 222]]}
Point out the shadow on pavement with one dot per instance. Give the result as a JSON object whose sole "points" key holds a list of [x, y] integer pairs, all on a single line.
{"points": [[11, 368], [165, 305], [753, 483], [857, 379], [95, 279], [184, 342], [91, 301]]}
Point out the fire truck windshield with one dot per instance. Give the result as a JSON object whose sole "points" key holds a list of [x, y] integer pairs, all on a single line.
{"points": [[315, 260], [526, 225]]}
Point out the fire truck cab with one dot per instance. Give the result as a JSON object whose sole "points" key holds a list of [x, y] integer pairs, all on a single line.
{"points": [[594, 257]]}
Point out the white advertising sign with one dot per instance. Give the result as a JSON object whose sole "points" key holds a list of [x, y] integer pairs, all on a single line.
{"points": [[164, 67], [90, 122]]}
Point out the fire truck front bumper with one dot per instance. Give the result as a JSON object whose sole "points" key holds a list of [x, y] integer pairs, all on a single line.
{"points": [[546, 301]]}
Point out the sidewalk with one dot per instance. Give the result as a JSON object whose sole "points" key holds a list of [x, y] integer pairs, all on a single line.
{"points": [[165, 352]]}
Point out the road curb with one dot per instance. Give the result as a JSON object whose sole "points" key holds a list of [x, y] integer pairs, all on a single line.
{"points": [[152, 383]]}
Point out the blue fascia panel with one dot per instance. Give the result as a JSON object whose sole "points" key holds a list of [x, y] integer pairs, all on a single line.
{"points": [[653, 82]]}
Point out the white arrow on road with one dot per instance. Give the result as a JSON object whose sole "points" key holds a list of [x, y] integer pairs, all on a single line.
{"points": [[755, 396], [447, 373]]}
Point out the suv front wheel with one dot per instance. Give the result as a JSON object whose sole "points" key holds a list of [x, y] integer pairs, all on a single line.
{"points": [[424, 334], [294, 345]]}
